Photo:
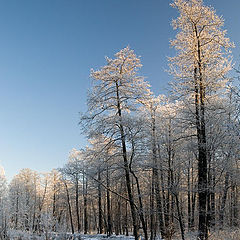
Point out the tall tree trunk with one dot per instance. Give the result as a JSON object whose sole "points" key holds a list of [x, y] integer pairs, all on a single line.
{"points": [[164, 198], [17, 210], [169, 182], [194, 194], [126, 219], [180, 217], [202, 178], [85, 212], [141, 214], [34, 207], [117, 222], [189, 196], [69, 207], [212, 200], [100, 215], [202, 150], [152, 213], [94, 216], [109, 219], [224, 199], [77, 205], [156, 177], [126, 167], [235, 205], [54, 207]]}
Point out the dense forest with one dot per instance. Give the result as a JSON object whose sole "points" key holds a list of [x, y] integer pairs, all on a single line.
{"points": [[163, 166]]}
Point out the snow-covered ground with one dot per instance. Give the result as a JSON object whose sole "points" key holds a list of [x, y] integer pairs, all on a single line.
{"points": [[18, 235]]}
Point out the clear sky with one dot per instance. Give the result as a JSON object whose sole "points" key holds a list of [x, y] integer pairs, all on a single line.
{"points": [[47, 48]]}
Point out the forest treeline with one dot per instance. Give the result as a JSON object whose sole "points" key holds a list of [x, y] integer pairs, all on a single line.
{"points": [[155, 165]]}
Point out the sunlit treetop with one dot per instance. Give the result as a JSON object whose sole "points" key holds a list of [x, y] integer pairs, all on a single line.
{"points": [[200, 43]]}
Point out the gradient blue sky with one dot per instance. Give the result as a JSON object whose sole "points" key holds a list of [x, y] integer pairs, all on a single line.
{"points": [[47, 48]]}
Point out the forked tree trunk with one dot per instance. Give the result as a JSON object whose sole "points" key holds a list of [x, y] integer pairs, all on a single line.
{"points": [[141, 214], [126, 168]]}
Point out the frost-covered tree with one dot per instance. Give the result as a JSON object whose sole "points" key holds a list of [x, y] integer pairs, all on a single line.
{"points": [[24, 200], [73, 172], [200, 69], [3, 206], [114, 97]]}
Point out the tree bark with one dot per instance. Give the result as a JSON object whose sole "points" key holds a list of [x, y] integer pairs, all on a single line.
{"points": [[156, 177], [152, 212], [69, 208], [100, 215], [224, 199], [201, 136], [109, 219], [126, 167], [189, 196], [141, 214], [85, 212], [180, 217], [77, 205]]}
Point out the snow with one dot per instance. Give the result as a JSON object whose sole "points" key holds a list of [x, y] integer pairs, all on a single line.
{"points": [[19, 235], [227, 234]]}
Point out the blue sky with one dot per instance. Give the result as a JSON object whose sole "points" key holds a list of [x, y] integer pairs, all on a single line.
{"points": [[47, 48]]}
